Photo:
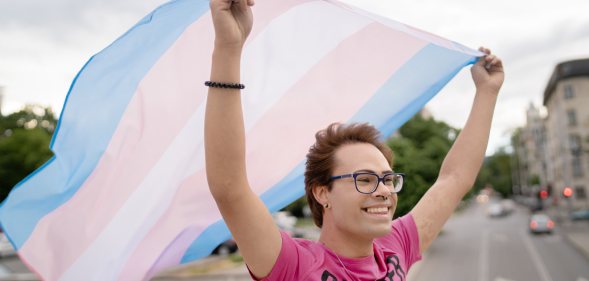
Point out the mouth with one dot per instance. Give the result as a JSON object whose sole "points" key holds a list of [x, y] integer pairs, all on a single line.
{"points": [[378, 211]]}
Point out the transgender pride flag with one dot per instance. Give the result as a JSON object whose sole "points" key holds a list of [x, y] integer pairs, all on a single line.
{"points": [[126, 194]]}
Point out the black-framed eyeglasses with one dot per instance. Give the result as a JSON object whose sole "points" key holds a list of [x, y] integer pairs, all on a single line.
{"points": [[367, 182]]}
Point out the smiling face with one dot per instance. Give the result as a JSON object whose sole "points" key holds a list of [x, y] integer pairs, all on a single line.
{"points": [[361, 215]]}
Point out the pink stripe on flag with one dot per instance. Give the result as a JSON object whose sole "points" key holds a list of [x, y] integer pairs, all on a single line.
{"points": [[307, 107], [191, 201], [164, 100], [138, 142]]}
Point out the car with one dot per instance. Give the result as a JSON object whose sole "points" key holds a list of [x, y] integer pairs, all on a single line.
{"points": [[496, 210], [226, 248], [482, 198], [540, 223], [284, 220], [508, 206], [580, 215], [286, 223]]}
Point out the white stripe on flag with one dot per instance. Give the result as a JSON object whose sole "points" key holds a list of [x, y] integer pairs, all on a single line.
{"points": [[313, 23], [109, 252]]}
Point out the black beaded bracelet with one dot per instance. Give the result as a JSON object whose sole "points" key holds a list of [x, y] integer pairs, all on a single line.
{"points": [[224, 85]]}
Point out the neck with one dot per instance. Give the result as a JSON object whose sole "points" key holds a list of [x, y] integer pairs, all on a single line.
{"points": [[345, 244]]}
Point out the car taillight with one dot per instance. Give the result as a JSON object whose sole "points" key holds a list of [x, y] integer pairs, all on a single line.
{"points": [[550, 224], [533, 224]]}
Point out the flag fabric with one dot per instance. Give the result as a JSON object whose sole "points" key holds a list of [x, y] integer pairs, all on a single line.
{"points": [[126, 196]]}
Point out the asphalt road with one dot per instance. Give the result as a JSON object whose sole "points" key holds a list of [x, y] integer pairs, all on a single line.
{"points": [[475, 247]]}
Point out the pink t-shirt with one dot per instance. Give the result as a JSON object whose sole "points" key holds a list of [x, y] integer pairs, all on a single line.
{"points": [[394, 254]]}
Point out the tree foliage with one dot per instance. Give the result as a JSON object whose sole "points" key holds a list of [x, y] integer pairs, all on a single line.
{"points": [[419, 150], [496, 172], [24, 144]]}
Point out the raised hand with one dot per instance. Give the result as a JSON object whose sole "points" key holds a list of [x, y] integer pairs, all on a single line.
{"points": [[487, 73], [233, 21]]}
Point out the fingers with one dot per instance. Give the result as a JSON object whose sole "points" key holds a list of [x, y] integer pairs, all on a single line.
{"points": [[489, 59], [485, 50], [243, 2]]}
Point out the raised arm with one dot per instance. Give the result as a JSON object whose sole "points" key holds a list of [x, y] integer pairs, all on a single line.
{"points": [[462, 164], [246, 216]]}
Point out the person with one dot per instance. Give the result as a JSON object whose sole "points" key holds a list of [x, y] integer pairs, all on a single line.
{"points": [[350, 185]]}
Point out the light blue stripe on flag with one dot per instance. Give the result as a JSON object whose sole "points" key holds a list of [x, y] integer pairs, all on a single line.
{"points": [[97, 99]]}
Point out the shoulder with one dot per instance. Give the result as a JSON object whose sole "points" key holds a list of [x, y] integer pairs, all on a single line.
{"points": [[403, 241], [297, 258], [405, 224], [301, 246]]}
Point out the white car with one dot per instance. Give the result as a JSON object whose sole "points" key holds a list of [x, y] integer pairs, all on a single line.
{"points": [[284, 220], [540, 223], [496, 210], [508, 206]]}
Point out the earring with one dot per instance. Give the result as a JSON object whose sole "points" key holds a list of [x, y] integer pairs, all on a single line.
{"points": [[326, 206]]}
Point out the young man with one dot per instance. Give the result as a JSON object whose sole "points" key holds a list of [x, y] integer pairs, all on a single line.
{"points": [[349, 181]]}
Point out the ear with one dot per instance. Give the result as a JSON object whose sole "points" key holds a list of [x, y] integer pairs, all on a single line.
{"points": [[321, 194]]}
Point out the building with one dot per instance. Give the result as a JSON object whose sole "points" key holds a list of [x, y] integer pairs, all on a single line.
{"points": [[530, 161], [566, 99]]}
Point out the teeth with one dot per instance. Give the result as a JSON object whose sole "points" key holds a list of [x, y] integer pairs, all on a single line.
{"points": [[377, 210]]}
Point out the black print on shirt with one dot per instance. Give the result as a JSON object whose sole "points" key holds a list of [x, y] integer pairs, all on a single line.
{"points": [[395, 272], [327, 276]]}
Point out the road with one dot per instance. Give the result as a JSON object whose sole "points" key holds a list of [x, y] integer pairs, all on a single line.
{"points": [[474, 247]]}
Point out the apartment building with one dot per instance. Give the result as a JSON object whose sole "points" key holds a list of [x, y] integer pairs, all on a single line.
{"points": [[566, 99]]}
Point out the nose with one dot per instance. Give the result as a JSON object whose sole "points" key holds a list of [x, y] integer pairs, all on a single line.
{"points": [[382, 190]]}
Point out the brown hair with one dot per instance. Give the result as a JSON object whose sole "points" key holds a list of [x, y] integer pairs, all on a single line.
{"points": [[320, 159]]}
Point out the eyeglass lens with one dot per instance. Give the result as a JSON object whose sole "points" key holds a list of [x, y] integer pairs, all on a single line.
{"points": [[367, 183]]}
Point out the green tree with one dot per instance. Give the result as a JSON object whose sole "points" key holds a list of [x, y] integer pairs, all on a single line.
{"points": [[419, 150], [24, 144], [496, 171], [296, 208]]}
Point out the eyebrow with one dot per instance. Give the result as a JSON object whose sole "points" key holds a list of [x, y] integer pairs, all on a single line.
{"points": [[371, 171]]}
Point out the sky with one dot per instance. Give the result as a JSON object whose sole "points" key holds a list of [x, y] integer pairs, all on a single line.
{"points": [[43, 44]]}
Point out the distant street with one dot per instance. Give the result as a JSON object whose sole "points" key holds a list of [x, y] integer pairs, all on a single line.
{"points": [[472, 247], [475, 247]]}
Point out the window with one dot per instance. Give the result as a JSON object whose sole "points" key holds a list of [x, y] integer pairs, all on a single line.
{"points": [[580, 192], [577, 168], [575, 144], [572, 117], [568, 92]]}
